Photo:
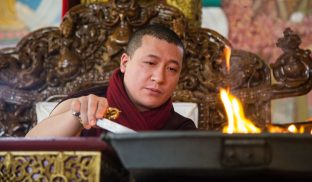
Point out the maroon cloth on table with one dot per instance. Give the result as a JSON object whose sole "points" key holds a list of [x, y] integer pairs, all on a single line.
{"points": [[130, 116]]}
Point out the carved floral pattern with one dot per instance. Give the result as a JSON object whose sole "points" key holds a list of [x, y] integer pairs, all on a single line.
{"points": [[50, 166]]}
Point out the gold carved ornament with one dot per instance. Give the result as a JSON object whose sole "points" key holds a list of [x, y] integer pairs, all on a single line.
{"points": [[190, 8], [50, 166]]}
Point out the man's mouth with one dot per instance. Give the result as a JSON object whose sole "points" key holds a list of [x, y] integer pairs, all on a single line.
{"points": [[154, 90]]}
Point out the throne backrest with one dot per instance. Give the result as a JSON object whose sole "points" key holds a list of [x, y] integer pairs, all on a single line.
{"points": [[86, 48]]}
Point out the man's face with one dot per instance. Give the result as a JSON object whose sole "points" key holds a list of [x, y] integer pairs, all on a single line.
{"points": [[152, 73]]}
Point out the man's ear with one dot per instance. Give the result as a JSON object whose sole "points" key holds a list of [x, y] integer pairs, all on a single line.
{"points": [[123, 62]]}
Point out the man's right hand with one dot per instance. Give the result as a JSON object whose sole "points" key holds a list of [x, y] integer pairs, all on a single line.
{"points": [[62, 122], [91, 108]]}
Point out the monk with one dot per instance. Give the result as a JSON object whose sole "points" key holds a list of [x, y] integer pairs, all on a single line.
{"points": [[141, 88]]}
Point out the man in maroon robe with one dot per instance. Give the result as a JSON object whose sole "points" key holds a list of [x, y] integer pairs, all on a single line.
{"points": [[141, 88]]}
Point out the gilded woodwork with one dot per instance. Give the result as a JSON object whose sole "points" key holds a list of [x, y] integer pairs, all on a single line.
{"points": [[86, 48], [190, 8], [50, 166], [93, 1]]}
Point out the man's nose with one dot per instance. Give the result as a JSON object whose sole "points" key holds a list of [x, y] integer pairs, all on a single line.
{"points": [[158, 75]]}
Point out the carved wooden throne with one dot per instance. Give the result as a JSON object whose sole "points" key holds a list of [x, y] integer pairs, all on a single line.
{"points": [[84, 50]]}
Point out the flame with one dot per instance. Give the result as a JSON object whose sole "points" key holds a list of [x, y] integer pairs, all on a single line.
{"points": [[276, 129], [292, 128], [237, 122], [227, 55]]}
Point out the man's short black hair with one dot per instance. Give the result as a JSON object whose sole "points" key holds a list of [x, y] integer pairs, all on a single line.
{"points": [[156, 30]]}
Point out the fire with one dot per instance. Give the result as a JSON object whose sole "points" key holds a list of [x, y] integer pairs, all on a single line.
{"points": [[227, 54], [237, 122], [290, 129], [276, 129]]}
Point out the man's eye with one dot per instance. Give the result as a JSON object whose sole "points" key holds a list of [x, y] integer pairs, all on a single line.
{"points": [[172, 69], [149, 62]]}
